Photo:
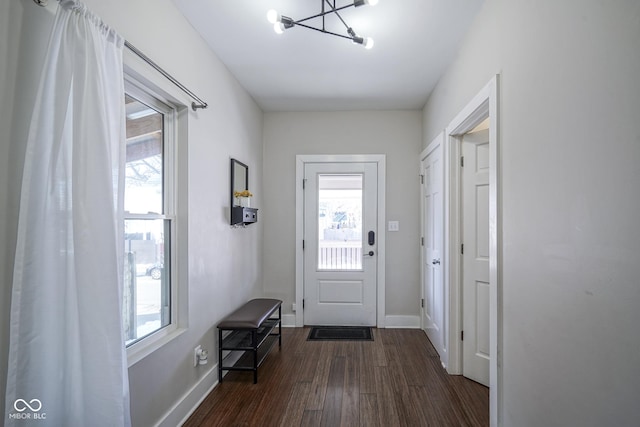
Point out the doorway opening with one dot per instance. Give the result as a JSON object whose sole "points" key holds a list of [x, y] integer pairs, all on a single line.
{"points": [[487, 284]]}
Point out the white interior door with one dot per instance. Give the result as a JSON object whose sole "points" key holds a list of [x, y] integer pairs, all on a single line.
{"points": [[475, 258], [340, 241], [432, 269]]}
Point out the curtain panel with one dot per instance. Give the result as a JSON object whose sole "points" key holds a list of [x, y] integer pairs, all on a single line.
{"points": [[67, 359]]}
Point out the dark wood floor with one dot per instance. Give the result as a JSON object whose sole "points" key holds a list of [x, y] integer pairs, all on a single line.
{"points": [[395, 380]]}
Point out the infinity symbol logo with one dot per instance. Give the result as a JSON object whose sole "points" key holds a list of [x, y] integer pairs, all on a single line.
{"points": [[37, 405]]}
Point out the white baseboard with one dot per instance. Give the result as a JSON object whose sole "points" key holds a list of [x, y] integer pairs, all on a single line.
{"points": [[405, 322], [288, 320], [182, 410]]}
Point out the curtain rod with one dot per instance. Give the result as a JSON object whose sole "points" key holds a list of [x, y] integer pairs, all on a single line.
{"points": [[168, 76], [145, 58]]}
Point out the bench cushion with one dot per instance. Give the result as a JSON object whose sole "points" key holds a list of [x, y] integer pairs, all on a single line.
{"points": [[251, 315]]}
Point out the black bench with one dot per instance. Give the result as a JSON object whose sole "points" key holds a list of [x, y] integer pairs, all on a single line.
{"points": [[250, 336]]}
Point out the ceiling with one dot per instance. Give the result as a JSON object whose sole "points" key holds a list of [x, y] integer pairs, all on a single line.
{"points": [[304, 70]]}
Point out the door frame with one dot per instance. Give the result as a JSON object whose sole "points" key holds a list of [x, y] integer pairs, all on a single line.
{"points": [[380, 160], [483, 105]]}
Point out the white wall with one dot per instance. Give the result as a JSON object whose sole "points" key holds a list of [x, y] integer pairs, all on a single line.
{"points": [[394, 133], [224, 264], [569, 164]]}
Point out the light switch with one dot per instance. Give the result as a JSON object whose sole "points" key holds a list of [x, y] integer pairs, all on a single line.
{"points": [[393, 226]]}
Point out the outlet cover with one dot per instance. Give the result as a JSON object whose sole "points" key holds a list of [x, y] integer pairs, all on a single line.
{"points": [[393, 226]]}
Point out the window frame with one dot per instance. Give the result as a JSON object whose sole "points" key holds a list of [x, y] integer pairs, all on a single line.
{"points": [[144, 91]]}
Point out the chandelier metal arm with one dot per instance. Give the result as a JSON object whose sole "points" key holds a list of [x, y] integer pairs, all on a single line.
{"points": [[327, 7], [324, 31], [334, 10], [325, 13]]}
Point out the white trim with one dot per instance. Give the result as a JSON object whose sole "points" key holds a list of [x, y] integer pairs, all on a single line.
{"points": [[380, 159], [402, 322], [147, 89], [483, 105], [299, 273], [438, 140], [141, 349], [191, 400], [288, 320]]}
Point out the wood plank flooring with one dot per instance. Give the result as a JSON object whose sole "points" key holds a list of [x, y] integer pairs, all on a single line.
{"points": [[395, 380]]}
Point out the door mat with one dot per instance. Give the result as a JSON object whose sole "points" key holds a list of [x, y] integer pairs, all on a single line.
{"points": [[340, 333]]}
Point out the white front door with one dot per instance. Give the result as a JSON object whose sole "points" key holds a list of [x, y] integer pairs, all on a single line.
{"points": [[340, 241], [432, 231], [475, 257]]}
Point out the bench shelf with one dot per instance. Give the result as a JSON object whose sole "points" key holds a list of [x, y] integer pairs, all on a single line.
{"points": [[251, 334], [238, 360]]}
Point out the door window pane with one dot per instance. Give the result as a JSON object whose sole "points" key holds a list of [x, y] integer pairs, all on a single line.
{"points": [[340, 222]]}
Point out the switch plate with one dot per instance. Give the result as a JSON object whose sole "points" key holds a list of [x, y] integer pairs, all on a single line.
{"points": [[393, 226]]}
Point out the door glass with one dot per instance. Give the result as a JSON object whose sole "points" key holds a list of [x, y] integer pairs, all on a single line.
{"points": [[340, 222]]}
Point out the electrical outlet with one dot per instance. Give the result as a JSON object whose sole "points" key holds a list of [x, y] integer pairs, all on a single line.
{"points": [[196, 352], [293, 307]]}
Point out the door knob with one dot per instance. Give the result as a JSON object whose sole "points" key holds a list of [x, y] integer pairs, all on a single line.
{"points": [[371, 253], [435, 261]]}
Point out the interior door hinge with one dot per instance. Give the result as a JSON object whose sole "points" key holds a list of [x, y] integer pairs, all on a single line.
{"points": [[462, 161], [422, 303], [421, 179], [304, 183], [303, 244], [461, 335], [462, 249], [422, 241], [303, 303]]}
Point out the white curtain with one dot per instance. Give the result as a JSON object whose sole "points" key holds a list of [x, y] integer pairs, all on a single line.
{"points": [[67, 360]]}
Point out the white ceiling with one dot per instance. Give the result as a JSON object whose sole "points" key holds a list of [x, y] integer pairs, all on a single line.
{"points": [[304, 70]]}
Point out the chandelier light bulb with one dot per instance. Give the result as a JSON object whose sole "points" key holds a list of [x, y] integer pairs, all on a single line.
{"points": [[358, 3], [368, 43], [278, 27], [273, 16]]}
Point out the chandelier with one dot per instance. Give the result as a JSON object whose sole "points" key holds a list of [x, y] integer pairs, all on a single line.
{"points": [[327, 7]]}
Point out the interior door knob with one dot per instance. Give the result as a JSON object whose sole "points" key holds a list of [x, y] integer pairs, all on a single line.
{"points": [[435, 261], [371, 253]]}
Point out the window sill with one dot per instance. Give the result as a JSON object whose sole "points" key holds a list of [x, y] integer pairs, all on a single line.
{"points": [[148, 345]]}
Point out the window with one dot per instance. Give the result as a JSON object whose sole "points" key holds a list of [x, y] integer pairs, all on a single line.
{"points": [[340, 222], [148, 295]]}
